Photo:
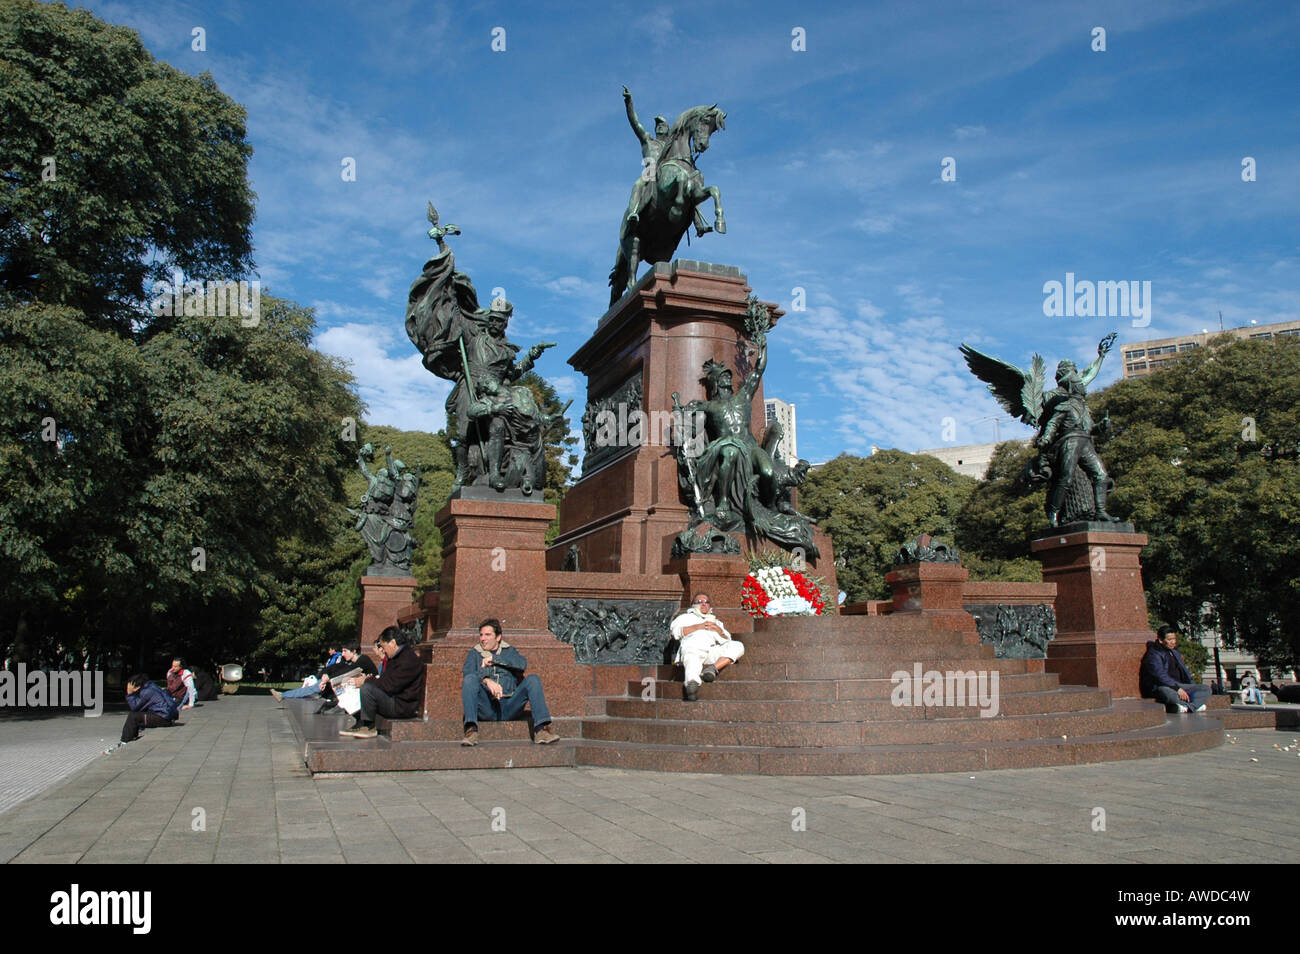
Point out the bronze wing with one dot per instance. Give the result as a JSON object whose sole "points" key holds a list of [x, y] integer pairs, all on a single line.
{"points": [[1020, 393]]}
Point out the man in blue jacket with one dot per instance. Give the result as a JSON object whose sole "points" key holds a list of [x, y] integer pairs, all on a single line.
{"points": [[495, 687], [1164, 675], [150, 707]]}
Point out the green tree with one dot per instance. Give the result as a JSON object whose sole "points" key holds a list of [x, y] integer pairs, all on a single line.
{"points": [[871, 506], [116, 168], [1000, 517], [180, 465], [1205, 461], [71, 405]]}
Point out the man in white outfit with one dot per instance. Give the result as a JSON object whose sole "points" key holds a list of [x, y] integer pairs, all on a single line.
{"points": [[704, 645]]}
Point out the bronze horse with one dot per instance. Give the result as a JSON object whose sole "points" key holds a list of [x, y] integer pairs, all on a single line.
{"points": [[653, 234]]}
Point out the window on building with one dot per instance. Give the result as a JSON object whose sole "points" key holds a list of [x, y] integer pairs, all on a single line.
{"points": [[1262, 334], [1188, 347], [1139, 353]]}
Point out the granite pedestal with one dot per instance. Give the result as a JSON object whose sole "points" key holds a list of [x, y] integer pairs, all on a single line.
{"points": [[1101, 611]]}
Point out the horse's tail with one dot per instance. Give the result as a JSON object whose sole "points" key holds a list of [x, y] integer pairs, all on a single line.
{"points": [[618, 277]]}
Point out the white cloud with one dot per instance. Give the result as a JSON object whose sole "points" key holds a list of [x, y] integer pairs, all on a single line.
{"points": [[876, 224], [398, 391]]}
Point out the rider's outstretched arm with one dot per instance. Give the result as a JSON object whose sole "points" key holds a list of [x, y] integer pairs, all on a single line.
{"points": [[631, 118]]}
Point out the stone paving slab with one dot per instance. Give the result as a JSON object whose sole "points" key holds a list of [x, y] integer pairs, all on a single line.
{"points": [[229, 786], [37, 750]]}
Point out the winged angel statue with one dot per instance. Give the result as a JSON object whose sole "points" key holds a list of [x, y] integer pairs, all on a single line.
{"points": [[1067, 458]]}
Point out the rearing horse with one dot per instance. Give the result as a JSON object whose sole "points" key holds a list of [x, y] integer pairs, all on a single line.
{"points": [[653, 234]]}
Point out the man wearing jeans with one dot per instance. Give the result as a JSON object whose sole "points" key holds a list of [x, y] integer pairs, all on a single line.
{"points": [[310, 691], [398, 693], [1164, 675], [495, 688]]}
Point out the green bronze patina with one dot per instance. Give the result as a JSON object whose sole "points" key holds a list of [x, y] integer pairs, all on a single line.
{"points": [[666, 197], [499, 426], [731, 481], [1067, 460], [387, 513]]}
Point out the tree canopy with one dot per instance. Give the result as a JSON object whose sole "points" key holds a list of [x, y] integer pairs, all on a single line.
{"points": [[1205, 461], [116, 168], [873, 505]]}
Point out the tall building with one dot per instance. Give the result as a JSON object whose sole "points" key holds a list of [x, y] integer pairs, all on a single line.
{"points": [[1143, 357], [972, 460], [787, 447]]}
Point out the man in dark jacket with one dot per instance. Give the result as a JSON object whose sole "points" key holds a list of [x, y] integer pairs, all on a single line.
{"points": [[1164, 675], [150, 707], [495, 688], [396, 694]]}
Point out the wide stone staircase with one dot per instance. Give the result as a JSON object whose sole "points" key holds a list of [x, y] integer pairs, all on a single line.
{"points": [[812, 696]]}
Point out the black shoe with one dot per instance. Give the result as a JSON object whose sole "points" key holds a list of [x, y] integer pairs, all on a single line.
{"points": [[691, 692], [710, 673], [327, 707]]}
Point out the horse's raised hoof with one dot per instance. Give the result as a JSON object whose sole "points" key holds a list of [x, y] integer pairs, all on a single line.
{"points": [[721, 225]]}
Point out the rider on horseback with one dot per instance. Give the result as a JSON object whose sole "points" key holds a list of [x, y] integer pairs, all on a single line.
{"points": [[651, 150]]}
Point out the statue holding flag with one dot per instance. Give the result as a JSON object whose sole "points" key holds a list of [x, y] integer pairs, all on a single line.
{"points": [[497, 427]]}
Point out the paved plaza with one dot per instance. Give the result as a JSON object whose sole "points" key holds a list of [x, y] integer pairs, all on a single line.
{"points": [[229, 785]]}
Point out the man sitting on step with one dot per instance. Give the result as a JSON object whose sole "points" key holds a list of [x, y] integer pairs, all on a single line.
{"points": [[704, 646], [1164, 675], [495, 688], [398, 693]]}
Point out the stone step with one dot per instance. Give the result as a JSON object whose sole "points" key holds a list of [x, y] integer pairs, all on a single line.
{"points": [[836, 627], [905, 638], [916, 732], [1256, 717], [926, 651], [1171, 738], [727, 687], [880, 668], [707, 709], [380, 755], [453, 730]]}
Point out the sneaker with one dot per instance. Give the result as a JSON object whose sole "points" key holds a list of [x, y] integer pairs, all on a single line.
{"points": [[361, 732], [471, 736], [710, 673], [1200, 708], [692, 691], [277, 695], [544, 735], [1184, 708]]}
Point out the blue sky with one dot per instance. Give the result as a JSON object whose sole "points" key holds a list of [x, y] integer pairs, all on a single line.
{"points": [[1117, 165]]}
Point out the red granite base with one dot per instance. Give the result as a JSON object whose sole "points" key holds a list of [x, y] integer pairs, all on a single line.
{"points": [[1101, 615], [493, 565], [383, 599]]}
